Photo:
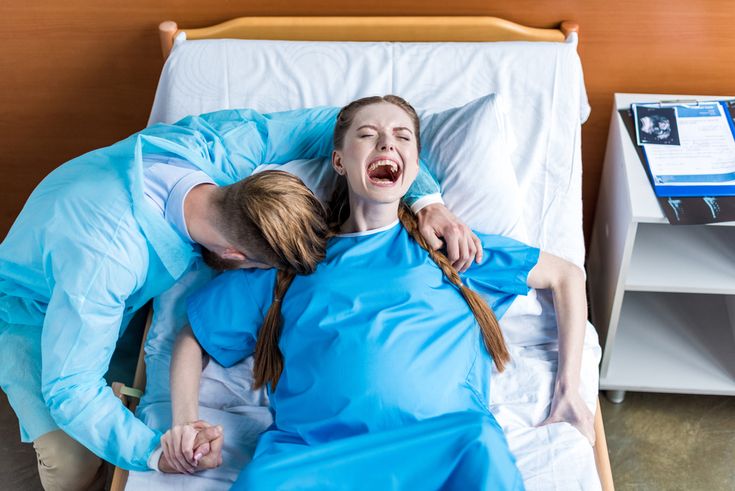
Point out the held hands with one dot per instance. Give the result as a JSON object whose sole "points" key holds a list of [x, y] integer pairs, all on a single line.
{"points": [[568, 406], [191, 447], [436, 222]]}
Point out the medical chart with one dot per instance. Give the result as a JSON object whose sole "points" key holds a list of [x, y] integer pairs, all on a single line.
{"points": [[689, 147]]}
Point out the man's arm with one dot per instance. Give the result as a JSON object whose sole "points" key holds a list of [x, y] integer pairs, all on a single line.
{"points": [[79, 337], [250, 139], [424, 191], [309, 133]]}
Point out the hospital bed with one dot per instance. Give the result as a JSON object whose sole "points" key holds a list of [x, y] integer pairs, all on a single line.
{"points": [[529, 187]]}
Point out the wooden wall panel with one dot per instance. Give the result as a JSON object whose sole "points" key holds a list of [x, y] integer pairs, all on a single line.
{"points": [[79, 74]]}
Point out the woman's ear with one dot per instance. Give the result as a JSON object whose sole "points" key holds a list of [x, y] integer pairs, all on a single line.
{"points": [[337, 163]]}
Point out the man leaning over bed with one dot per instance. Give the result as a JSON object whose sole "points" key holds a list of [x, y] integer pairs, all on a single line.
{"points": [[103, 234]]}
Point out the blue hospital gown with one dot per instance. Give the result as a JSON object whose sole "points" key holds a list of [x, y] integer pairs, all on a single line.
{"points": [[386, 381]]}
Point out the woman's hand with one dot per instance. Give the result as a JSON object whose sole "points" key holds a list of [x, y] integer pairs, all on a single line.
{"points": [[193, 446], [568, 407], [208, 445], [436, 222]]}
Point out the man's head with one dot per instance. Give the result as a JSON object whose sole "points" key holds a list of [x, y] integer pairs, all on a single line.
{"points": [[270, 219]]}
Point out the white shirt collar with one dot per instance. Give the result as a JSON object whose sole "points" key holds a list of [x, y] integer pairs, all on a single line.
{"points": [[174, 212]]}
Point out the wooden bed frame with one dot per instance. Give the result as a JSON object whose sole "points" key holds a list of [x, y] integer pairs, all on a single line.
{"points": [[398, 29]]}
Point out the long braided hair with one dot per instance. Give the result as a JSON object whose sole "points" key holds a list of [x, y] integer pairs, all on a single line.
{"points": [[268, 357], [484, 315]]}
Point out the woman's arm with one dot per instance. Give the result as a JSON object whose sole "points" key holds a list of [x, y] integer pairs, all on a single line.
{"points": [[566, 282], [186, 372], [179, 443]]}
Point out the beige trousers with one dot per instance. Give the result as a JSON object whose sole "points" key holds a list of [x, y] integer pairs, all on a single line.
{"points": [[65, 464]]}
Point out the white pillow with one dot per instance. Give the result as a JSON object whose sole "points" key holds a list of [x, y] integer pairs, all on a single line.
{"points": [[468, 151]]}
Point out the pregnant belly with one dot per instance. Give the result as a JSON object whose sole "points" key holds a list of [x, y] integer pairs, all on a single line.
{"points": [[347, 385]]}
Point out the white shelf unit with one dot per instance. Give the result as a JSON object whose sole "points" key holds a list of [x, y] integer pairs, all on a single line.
{"points": [[662, 296]]}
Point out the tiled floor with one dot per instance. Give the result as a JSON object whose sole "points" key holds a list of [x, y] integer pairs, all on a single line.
{"points": [[656, 441], [671, 442]]}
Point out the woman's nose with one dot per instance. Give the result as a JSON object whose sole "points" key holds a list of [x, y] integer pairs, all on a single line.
{"points": [[386, 144]]}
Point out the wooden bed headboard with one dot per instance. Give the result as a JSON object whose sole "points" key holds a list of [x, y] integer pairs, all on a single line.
{"points": [[398, 29]]}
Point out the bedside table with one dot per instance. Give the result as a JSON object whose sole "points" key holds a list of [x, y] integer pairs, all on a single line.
{"points": [[662, 296]]}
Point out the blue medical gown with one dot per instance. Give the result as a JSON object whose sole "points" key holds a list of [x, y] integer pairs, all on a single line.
{"points": [[379, 350], [88, 249]]}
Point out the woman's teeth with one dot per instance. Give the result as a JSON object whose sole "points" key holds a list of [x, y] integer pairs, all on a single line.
{"points": [[383, 171], [392, 165]]}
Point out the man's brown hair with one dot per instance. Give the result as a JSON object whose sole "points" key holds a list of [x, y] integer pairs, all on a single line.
{"points": [[276, 218]]}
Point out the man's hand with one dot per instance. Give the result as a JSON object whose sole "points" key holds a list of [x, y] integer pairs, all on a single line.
{"points": [[165, 466], [436, 222], [568, 406], [191, 447]]}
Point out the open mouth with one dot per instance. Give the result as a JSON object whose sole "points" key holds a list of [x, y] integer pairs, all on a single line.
{"points": [[383, 172]]}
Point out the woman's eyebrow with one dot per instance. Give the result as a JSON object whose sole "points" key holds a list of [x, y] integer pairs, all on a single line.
{"points": [[375, 128]]}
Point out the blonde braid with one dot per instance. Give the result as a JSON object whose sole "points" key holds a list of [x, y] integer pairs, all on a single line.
{"points": [[489, 326], [268, 357]]}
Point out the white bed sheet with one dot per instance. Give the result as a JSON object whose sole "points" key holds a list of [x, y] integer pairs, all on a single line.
{"points": [[554, 457], [543, 85]]}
